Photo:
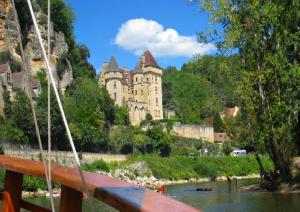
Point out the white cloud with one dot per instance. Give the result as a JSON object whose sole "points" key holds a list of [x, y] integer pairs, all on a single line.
{"points": [[138, 35]]}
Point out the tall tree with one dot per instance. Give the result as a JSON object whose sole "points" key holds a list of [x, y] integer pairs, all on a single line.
{"points": [[266, 34]]}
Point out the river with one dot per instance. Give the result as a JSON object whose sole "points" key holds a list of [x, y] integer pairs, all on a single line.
{"points": [[220, 199]]}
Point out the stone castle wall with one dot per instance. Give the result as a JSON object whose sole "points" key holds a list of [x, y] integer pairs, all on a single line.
{"points": [[194, 131]]}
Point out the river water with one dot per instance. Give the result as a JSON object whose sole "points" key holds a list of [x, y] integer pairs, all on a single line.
{"points": [[222, 198]]}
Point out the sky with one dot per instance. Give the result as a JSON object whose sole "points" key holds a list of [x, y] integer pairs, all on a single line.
{"points": [[125, 29]]}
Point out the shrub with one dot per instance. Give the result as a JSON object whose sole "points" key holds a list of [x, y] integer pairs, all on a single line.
{"points": [[97, 165], [31, 183], [207, 170], [227, 149], [164, 149], [149, 117]]}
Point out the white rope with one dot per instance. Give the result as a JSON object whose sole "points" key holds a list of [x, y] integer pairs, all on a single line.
{"points": [[49, 107], [59, 101], [31, 103]]}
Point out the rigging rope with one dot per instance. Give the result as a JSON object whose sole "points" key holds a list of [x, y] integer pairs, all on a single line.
{"points": [[31, 103], [85, 187], [49, 101]]}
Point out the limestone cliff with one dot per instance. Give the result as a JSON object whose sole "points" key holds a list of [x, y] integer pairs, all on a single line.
{"points": [[9, 43]]}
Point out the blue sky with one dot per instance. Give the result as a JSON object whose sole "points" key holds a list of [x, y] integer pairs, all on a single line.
{"points": [[126, 28]]}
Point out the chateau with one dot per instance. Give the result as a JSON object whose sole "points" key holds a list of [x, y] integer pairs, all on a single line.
{"points": [[140, 90]]}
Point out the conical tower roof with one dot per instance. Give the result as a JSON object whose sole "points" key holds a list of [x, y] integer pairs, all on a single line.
{"points": [[149, 59], [113, 66]]}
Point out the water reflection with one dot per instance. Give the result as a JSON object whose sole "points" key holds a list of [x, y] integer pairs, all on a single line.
{"points": [[220, 199], [224, 199]]}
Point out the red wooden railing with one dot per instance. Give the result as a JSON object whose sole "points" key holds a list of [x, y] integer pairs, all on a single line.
{"points": [[116, 193]]}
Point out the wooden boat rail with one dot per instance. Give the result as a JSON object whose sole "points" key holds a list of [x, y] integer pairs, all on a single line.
{"points": [[114, 192]]}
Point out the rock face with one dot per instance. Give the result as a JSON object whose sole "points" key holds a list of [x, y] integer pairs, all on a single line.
{"points": [[63, 74], [8, 29], [59, 49]]}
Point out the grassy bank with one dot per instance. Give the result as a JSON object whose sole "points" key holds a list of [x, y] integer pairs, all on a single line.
{"points": [[172, 168], [181, 167]]}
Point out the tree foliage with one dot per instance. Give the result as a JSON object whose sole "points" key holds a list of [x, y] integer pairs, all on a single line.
{"points": [[190, 95], [266, 34], [84, 105]]}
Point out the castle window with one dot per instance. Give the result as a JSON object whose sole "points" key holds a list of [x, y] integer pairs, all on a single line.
{"points": [[136, 79], [156, 101], [135, 92], [156, 90], [147, 80], [115, 96], [155, 79], [8, 77], [115, 85], [141, 92]]}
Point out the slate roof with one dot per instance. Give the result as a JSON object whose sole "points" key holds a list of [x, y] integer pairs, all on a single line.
{"points": [[113, 66], [149, 59]]}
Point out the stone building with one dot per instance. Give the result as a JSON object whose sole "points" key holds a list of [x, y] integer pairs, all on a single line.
{"points": [[12, 81], [140, 90], [203, 132]]}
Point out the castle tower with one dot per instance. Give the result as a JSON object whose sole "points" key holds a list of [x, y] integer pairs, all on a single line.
{"points": [[113, 78], [140, 90]]}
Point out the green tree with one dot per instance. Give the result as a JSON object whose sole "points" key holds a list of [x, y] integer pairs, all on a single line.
{"points": [[22, 115], [62, 18], [266, 34], [10, 133], [7, 110], [121, 116], [149, 117], [122, 140], [83, 103], [193, 97], [58, 137], [218, 123], [226, 148], [161, 140]]}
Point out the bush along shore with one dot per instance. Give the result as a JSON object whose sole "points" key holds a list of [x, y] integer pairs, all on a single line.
{"points": [[153, 171]]}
